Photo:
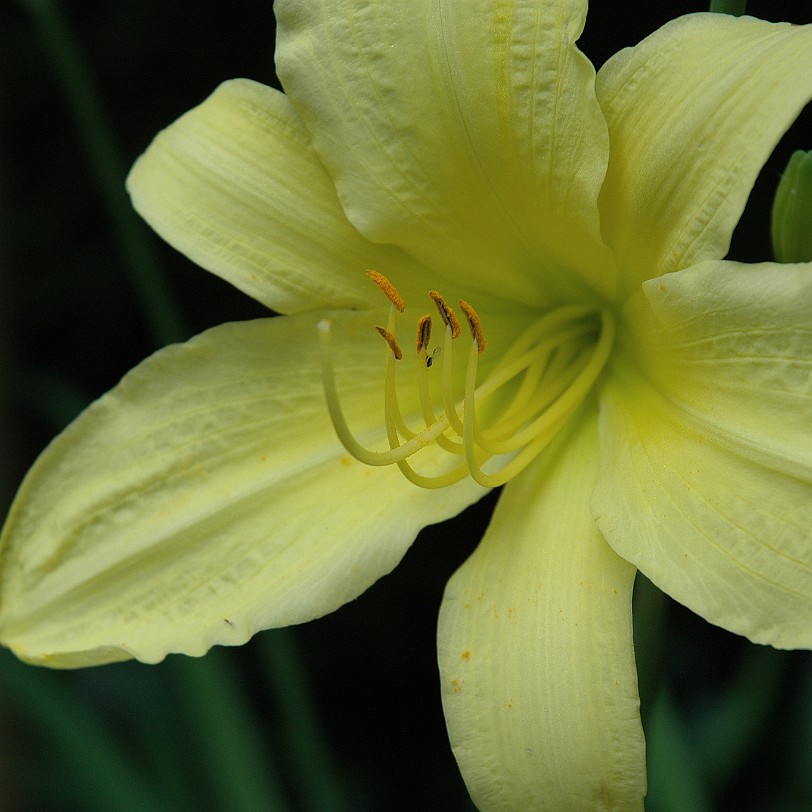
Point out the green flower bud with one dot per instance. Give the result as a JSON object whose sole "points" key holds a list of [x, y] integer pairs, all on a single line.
{"points": [[792, 211]]}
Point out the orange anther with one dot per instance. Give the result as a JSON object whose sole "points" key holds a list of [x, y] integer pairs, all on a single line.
{"points": [[446, 313], [474, 324], [423, 333], [389, 290], [391, 341]]}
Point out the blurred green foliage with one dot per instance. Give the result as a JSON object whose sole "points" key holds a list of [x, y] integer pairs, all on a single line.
{"points": [[339, 714], [792, 211]]}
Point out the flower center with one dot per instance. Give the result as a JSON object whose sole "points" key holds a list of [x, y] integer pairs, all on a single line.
{"points": [[494, 429]]}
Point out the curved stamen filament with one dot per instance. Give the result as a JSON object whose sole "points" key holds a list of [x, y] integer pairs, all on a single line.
{"points": [[391, 420], [513, 430], [447, 387], [564, 365], [347, 438], [535, 437], [518, 463], [569, 319], [427, 406], [388, 334], [542, 380]]}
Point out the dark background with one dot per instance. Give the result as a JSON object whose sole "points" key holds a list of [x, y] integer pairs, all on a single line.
{"points": [[729, 725]]}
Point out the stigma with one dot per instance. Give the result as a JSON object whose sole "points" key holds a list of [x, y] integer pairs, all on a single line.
{"points": [[490, 429]]}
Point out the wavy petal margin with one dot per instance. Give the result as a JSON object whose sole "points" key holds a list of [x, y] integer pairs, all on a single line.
{"points": [[706, 477], [694, 111], [205, 498], [236, 186], [468, 134]]}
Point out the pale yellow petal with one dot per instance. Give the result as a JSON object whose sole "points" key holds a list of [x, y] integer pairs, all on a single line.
{"points": [[235, 185], [466, 133], [206, 497], [706, 480], [693, 113], [535, 645]]}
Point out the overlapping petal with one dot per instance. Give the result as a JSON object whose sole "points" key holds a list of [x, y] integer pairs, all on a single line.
{"points": [[466, 133], [205, 498], [706, 483], [693, 112], [535, 646], [235, 185]]}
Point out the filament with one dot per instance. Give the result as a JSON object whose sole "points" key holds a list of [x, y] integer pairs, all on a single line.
{"points": [[541, 380]]}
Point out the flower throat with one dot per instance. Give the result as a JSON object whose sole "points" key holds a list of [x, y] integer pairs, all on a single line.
{"points": [[546, 373]]}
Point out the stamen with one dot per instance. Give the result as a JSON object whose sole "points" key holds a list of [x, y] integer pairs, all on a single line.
{"points": [[342, 429], [423, 337], [530, 394], [446, 313], [391, 341], [447, 388], [390, 419], [395, 355], [389, 290], [423, 334], [474, 324], [394, 422], [539, 390], [538, 434], [549, 324]]}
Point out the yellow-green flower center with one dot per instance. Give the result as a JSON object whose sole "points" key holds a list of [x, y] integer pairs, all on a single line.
{"points": [[495, 428]]}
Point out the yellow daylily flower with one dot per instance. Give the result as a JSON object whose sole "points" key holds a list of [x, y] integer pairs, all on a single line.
{"points": [[647, 403]]}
